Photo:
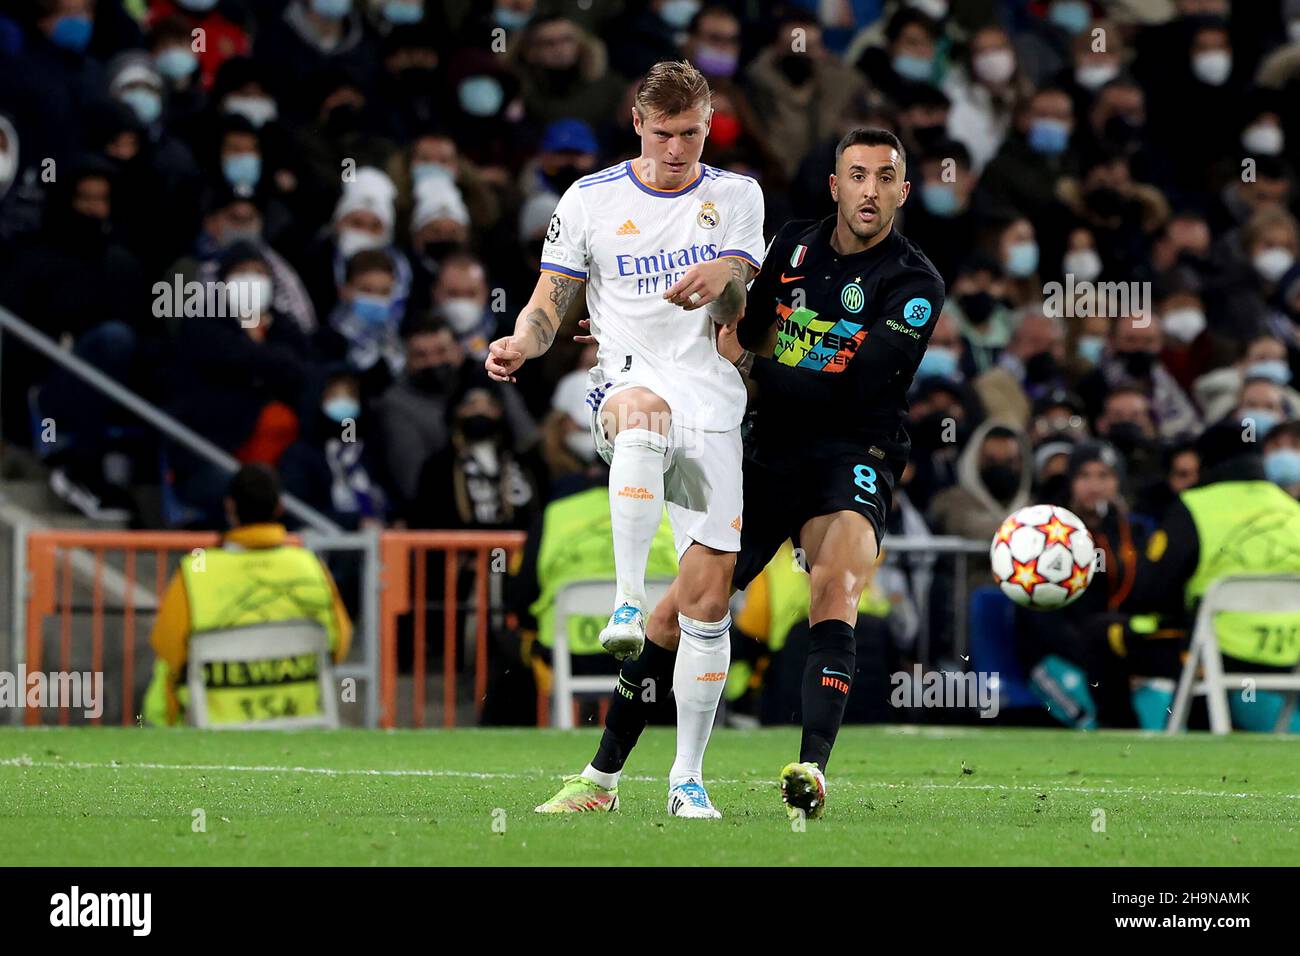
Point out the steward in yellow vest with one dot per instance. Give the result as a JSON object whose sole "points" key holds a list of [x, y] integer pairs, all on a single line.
{"points": [[252, 578], [1234, 522]]}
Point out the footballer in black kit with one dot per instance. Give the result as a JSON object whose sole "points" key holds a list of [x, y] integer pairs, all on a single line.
{"points": [[833, 331]]}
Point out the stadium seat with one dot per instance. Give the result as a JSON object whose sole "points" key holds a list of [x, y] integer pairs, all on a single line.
{"points": [[1203, 673], [585, 598], [992, 624], [259, 642]]}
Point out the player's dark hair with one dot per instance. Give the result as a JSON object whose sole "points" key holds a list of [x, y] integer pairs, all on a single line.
{"points": [[255, 490], [870, 137]]}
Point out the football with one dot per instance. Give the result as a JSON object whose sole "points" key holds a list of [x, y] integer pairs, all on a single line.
{"points": [[1043, 557]]}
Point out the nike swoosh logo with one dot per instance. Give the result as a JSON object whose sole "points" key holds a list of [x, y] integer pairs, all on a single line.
{"points": [[787, 279], [827, 670]]}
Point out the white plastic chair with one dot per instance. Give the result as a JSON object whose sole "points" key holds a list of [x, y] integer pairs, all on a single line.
{"points": [[1245, 592], [589, 598], [262, 642]]}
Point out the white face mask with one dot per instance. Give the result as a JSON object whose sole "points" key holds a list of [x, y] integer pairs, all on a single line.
{"points": [[352, 241], [462, 314], [1263, 138], [1272, 263], [1183, 325], [1083, 264], [1212, 67], [258, 110], [581, 445], [252, 294], [994, 66], [1093, 76]]}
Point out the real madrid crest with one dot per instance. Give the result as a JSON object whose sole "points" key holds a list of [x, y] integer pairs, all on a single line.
{"points": [[709, 216]]}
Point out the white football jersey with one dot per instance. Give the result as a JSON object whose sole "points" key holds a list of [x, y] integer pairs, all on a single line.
{"points": [[630, 243]]}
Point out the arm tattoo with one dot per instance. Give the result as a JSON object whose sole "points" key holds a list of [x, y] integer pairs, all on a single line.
{"points": [[563, 289], [745, 362], [728, 305], [539, 326]]}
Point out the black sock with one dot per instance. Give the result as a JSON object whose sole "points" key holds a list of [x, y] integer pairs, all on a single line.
{"points": [[629, 707], [827, 677]]}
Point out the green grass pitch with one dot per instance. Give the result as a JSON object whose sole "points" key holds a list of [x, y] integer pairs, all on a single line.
{"points": [[898, 795]]}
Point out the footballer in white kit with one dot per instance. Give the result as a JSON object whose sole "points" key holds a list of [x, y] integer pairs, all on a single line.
{"points": [[631, 242], [664, 247]]}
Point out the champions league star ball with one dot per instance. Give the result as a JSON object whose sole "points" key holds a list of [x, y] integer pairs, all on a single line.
{"points": [[1043, 557]]}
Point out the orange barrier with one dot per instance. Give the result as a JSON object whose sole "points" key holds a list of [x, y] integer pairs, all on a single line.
{"points": [[404, 555], [49, 568], [403, 590]]}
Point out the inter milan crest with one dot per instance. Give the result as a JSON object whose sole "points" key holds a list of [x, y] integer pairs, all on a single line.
{"points": [[851, 298], [709, 216]]}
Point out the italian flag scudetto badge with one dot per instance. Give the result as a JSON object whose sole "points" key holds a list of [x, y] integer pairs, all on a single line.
{"points": [[796, 257]]}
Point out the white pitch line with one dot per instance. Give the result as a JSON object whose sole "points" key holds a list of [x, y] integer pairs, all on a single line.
{"points": [[535, 774]]}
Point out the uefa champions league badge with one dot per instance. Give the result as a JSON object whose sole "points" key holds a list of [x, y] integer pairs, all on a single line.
{"points": [[917, 312], [709, 216]]}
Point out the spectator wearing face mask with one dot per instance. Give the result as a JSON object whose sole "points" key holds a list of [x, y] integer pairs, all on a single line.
{"points": [[411, 416], [564, 71], [940, 219], [985, 86], [478, 480], [1282, 457], [1180, 471], [713, 43], [939, 421], [223, 37], [363, 329], [910, 54], [566, 153], [460, 296], [800, 97], [1255, 259], [334, 466], [1259, 407], [983, 312], [51, 85], [235, 215], [1033, 158], [1189, 348], [1132, 357], [565, 442], [363, 220], [236, 377], [310, 37], [171, 49], [1014, 243]]}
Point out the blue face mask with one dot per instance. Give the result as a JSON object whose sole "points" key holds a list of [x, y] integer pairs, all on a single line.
{"points": [[72, 33], [481, 96], [940, 199], [1090, 347], [915, 68], [1275, 370], [940, 362], [1264, 420], [679, 13], [1022, 259], [1072, 16], [1049, 137], [176, 63], [331, 9], [511, 19], [242, 169], [371, 309], [342, 408], [403, 11], [423, 171], [1282, 467], [146, 104]]}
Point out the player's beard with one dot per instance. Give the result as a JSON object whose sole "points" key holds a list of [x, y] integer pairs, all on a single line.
{"points": [[871, 230]]}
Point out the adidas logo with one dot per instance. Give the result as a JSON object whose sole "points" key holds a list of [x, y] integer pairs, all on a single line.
{"points": [[735, 524], [628, 229]]}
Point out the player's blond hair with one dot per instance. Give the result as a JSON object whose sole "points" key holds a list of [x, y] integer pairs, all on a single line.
{"points": [[671, 87]]}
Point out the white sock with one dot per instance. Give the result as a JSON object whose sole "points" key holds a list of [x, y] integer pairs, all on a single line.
{"points": [[607, 780], [636, 506], [699, 675]]}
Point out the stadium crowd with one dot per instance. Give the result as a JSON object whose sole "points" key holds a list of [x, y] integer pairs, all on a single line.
{"points": [[383, 172]]}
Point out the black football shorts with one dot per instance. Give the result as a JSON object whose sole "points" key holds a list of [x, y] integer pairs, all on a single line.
{"points": [[780, 499]]}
